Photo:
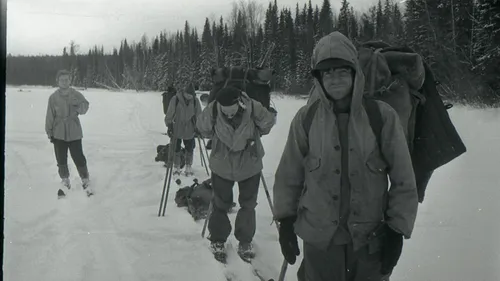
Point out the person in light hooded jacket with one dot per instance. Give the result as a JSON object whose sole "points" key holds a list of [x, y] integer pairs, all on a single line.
{"points": [[182, 112], [331, 185], [64, 130], [235, 123]]}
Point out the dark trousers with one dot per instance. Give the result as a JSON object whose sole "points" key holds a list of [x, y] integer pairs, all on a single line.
{"points": [[339, 263], [219, 224], [189, 145], [75, 149]]}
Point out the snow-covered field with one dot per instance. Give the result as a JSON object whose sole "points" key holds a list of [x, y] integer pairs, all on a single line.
{"points": [[117, 235]]}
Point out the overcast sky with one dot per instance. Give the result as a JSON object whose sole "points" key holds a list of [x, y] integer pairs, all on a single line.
{"points": [[47, 26]]}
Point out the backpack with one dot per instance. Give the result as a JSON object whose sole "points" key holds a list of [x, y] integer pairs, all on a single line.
{"points": [[255, 82], [196, 198], [162, 154], [399, 77], [167, 96]]}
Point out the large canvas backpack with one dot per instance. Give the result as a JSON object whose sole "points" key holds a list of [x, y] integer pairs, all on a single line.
{"points": [[399, 77], [253, 81], [167, 96]]}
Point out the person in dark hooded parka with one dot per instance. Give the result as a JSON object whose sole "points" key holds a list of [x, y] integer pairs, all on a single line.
{"points": [[331, 185]]}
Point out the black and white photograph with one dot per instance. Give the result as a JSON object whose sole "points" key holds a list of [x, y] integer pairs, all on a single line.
{"points": [[251, 140]]}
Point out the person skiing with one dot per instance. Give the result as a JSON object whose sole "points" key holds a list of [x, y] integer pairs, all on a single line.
{"points": [[331, 185], [181, 116], [235, 124], [64, 130]]}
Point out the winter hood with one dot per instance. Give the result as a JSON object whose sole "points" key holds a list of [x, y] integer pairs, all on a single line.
{"points": [[336, 46]]}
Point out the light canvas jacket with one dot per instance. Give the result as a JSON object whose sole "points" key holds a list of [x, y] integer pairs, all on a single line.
{"points": [[61, 121], [307, 181]]}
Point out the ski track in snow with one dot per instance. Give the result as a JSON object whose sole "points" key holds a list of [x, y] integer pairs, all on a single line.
{"points": [[117, 235]]}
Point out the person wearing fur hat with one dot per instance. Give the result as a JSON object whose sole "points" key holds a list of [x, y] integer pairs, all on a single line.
{"points": [[235, 123], [331, 187], [182, 112]]}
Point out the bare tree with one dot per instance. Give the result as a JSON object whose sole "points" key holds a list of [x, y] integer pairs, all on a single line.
{"points": [[73, 48], [251, 12]]}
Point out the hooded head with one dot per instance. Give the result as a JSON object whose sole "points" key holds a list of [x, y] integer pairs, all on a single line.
{"points": [[335, 66], [189, 92]]}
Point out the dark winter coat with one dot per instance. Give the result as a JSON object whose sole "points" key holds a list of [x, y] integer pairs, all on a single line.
{"points": [[436, 143], [307, 182]]}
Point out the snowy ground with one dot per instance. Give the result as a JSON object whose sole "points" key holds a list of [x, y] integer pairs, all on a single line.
{"points": [[117, 234]]}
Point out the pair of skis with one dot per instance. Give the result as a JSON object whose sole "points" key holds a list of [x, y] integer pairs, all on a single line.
{"points": [[231, 275], [61, 194]]}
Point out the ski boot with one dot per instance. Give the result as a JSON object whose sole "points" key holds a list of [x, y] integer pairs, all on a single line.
{"points": [[177, 164], [86, 187], [177, 171], [66, 185], [189, 171], [219, 251], [246, 252]]}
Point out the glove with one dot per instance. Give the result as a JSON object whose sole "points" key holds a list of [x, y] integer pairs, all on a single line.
{"points": [[391, 250], [288, 240], [51, 139], [170, 130], [209, 145]]}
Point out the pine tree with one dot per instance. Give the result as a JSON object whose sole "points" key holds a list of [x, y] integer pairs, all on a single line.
{"points": [[343, 22]]}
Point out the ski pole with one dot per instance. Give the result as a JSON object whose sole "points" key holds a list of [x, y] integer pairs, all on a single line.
{"points": [[205, 146], [171, 164], [167, 173], [203, 160], [164, 188], [210, 207], [285, 263]]}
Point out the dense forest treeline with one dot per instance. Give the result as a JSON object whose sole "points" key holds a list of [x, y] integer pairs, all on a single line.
{"points": [[460, 39]]}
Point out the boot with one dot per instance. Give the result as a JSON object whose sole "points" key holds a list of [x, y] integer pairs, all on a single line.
{"points": [[189, 171], [246, 252], [86, 186], [219, 251], [66, 185], [177, 163], [177, 170]]}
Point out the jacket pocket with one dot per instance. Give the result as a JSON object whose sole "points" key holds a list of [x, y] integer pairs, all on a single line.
{"points": [[312, 212], [376, 164], [312, 164]]}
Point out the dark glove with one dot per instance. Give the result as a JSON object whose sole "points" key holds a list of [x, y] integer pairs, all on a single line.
{"points": [[51, 139], [288, 240], [170, 130], [391, 250], [209, 145]]}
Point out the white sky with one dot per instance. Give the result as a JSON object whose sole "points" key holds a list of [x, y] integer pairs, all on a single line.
{"points": [[47, 26]]}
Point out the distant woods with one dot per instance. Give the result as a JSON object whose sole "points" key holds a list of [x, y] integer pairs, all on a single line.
{"points": [[460, 39]]}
